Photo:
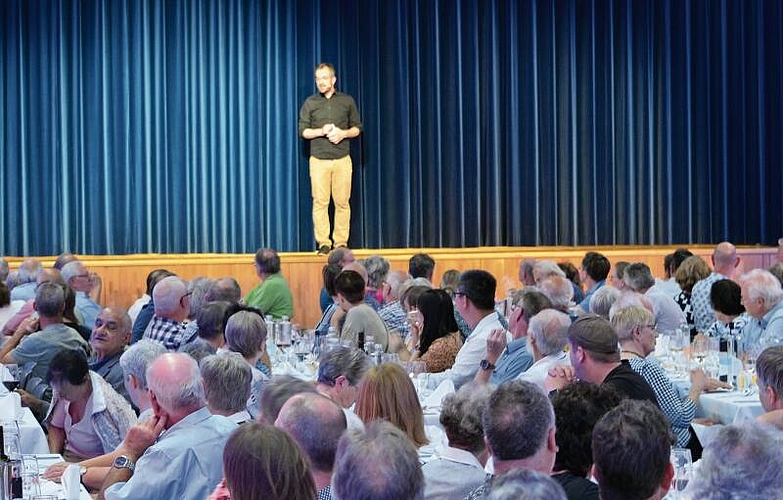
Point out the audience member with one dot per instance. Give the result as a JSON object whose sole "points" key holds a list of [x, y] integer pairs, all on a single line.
{"points": [[339, 257], [603, 299], [572, 275], [519, 427], [671, 264], [421, 265], [545, 269], [618, 269], [593, 272], [262, 461], [246, 335], [360, 320], [578, 406], [224, 289], [7, 308], [730, 316], [386, 392], [377, 270], [110, 336], [668, 316], [212, 322], [190, 448], [769, 372], [631, 451], [277, 392], [458, 467], [388, 453], [198, 349], [691, 271], [595, 358], [62, 259], [742, 462], [4, 270], [525, 485], [777, 271], [198, 288], [227, 379], [547, 334], [87, 418], [26, 276], [724, 262], [152, 279], [71, 318], [559, 292], [82, 282], [172, 304], [329, 274], [316, 423], [273, 295], [509, 360], [449, 281], [761, 297], [439, 341], [475, 302], [392, 312], [526, 277], [147, 309], [340, 373], [637, 332]]}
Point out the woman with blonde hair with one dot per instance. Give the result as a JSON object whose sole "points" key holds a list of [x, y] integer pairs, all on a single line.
{"points": [[387, 393], [691, 270]]}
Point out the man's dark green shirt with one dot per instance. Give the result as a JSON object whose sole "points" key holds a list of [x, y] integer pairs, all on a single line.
{"points": [[317, 111]]}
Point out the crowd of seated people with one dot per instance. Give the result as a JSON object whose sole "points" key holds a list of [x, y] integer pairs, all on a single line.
{"points": [[557, 393]]}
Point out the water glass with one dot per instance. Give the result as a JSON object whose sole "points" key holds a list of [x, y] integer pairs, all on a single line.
{"points": [[31, 485], [683, 465], [12, 439]]}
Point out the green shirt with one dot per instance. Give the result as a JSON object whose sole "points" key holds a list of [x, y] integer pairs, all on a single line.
{"points": [[273, 297]]}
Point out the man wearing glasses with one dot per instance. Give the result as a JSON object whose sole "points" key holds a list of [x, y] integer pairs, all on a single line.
{"points": [[172, 306], [82, 282]]}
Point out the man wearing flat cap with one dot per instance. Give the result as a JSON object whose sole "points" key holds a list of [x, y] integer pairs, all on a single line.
{"points": [[595, 358]]}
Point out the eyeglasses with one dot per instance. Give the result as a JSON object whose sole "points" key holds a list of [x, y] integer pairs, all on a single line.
{"points": [[188, 294], [460, 294]]}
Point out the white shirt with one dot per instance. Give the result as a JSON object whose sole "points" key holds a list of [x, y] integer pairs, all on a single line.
{"points": [[537, 373], [470, 354], [668, 315]]}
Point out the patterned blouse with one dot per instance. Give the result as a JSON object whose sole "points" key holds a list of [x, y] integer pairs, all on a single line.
{"points": [[442, 352]]}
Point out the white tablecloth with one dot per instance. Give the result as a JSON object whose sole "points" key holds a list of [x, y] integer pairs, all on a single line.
{"points": [[31, 434], [52, 488]]}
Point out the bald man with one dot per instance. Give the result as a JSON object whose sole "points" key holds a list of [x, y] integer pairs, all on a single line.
{"points": [[172, 306], [724, 263]]}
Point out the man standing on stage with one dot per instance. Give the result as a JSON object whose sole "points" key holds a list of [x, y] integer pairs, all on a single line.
{"points": [[328, 119]]}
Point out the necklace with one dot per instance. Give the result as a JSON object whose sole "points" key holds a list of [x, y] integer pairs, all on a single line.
{"points": [[636, 354]]}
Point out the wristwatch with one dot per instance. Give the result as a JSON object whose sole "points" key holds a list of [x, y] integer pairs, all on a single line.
{"points": [[486, 365], [123, 462]]}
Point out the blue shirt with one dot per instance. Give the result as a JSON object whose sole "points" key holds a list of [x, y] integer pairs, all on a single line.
{"points": [[25, 291], [142, 320], [186, 461], [514, 360], [88, 308], [768, 330], [585, 304]]}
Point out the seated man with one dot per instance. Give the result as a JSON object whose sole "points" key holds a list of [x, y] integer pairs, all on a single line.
{"points": [[519, 429], [762, 297], [172, 306], [110, 335], [83, 283], [546, 338], [769, 371], [227, 380], [186, 461], [508, 361], [631, 453], [593, 272], [273, 295], [668, 315], [361, 320], [386, 451], [339, 374]]}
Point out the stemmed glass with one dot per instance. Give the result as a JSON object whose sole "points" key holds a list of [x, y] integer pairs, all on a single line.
{"points": [[415, 368], [11, 377], [682, 463]]}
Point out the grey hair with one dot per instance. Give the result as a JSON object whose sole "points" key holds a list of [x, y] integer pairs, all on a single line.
{"points": [[245, 333], [49, 299], [769, 368], [168, 293], [550, 329], [28, 271], [275, 394], [638, 277], [626, 319], [71, 270], [377, 269], [396, 281], [3, 269], [391, 457], [517, 420], [630, 299], [197, 349], [762, 284], [461, 416], [349, 362], [138, 357], [602, 300], [224, 289], [187, 392], [559, 290], [227, 380], [525, 484], [543, 269], [198, 288], [741, 461]]}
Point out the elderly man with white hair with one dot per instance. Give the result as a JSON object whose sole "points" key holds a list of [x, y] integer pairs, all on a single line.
{"points": [[761, 297], [82, 282], [27, 274], [186, 460], [547, 334], [668, 315], [559, 290], [172, 306]]}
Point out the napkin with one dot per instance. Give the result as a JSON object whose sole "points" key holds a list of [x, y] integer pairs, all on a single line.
{"points": [[705, 433], [71, 481], [10, 406], [434, 400]]}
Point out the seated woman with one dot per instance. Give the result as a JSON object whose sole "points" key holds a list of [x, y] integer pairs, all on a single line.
{"points": [[388, 393], [246, 334], [731, 318], [261, 461], [459, 466], [436, 337], [637, 333], [87, 417], [691, 270]]}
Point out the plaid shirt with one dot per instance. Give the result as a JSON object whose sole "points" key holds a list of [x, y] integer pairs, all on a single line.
{"points": [[325, 493], [395, 318], [166, 331]]}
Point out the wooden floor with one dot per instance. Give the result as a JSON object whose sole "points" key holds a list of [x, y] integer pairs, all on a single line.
{"points": [[124, 275]]}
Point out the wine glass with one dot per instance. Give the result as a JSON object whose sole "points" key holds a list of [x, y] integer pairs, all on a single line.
{"points": [[12, 439], [11, 377], [683, 465], [415, 368]]}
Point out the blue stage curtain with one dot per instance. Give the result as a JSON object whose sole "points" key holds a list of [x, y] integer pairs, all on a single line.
{"points": [[171, 126]]}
